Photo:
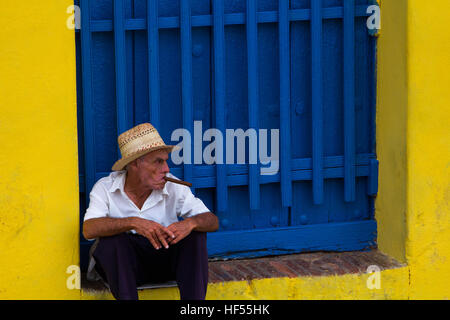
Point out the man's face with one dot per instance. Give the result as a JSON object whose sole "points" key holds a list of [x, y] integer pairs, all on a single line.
{"points": [[152, 168]]}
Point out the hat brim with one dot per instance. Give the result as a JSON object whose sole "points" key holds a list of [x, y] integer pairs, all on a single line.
{"points": [[121, 163]]}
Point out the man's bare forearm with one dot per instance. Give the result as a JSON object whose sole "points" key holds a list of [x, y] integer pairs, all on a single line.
{"points": [[204, 222], [105, 227]]}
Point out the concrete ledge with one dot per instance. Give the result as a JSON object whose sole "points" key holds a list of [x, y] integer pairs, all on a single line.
{"points": [[301, 276]]}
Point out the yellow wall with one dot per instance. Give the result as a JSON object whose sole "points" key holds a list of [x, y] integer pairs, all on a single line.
{"points": [[38, 159], [391, 120], [393, 285], [413, 142], [428, 145]]}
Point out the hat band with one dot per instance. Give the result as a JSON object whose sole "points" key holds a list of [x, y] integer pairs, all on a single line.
{"points": [[139, 144]]}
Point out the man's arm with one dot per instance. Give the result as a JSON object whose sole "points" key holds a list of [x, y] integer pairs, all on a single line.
{"points": [[104, 227], [204, 222]]}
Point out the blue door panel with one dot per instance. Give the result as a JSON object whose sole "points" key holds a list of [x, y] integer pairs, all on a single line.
{"points": [[364, 94], [103, 100], [332, 82], [322, 212], [300, 84], [238, 217]]}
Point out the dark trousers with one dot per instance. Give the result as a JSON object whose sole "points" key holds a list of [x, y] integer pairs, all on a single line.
{"points": [[126, 261]]}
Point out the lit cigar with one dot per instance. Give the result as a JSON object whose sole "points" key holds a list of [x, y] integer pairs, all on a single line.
{"points": [[184, 183]]}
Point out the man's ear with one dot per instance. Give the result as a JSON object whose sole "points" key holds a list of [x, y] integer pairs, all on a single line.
{"points": [[133, 164]]}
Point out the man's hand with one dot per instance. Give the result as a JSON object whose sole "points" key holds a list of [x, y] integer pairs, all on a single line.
{"points": [[204, 222], [181, 230], [154, 232]]}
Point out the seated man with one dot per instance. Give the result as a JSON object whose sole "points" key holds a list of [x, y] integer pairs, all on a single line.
{"points": [[134, 213]]}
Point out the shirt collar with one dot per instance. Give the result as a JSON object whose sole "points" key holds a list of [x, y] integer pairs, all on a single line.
{"points": [[164, 190], [119, 183]]}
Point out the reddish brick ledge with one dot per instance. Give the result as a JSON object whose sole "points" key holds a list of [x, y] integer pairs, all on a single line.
{"points": [[291, 266], [299, 265]]}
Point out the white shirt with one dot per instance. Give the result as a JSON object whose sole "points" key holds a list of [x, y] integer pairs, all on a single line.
{"points": [[108, 199]]}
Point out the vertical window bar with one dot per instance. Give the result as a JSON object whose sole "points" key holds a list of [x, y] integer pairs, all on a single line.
{"points": [[317, 107], [285, 119], [88, 111], [349, 101], [219, 85], [252, 61], [120, 62], [186, 77], [153, 63], [372, 179]]}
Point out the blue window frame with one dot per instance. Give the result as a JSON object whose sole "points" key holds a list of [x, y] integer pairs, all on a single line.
{"points": [[305, 67]]}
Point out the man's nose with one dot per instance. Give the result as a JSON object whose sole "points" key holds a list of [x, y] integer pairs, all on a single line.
{"points": [[165, 167]]}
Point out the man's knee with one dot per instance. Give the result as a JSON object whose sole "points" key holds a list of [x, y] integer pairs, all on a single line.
{"points": [[197, 237], [194, 242], [109, 245]]}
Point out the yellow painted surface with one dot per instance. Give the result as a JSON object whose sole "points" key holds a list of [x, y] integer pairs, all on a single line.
{"points": [[391, 121], [147, 294], [428, 145], [39, 217], [393, 285], [413, 142]]}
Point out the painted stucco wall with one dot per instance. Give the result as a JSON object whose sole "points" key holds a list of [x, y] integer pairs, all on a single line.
{"points": [[391, 122], [428, 149], [413, 142], [393, 285], [39, 218], [39, 212]]}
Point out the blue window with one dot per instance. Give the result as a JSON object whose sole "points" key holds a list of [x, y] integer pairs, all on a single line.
{"points": [[304, 67]]}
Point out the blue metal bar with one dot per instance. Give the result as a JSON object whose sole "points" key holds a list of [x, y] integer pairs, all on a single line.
{"points": [[285, 117], [349, 101], [88, 110], [373, 94], [242, 179], [219, 85], [317, 107], [186, 78], [123, 122], [229, 19], [253, 103], [301, 170], [372, 179], [153, 62], [359, 235]]}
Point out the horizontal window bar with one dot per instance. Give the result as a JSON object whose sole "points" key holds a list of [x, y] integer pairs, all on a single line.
{"points": [[229, 19], [340, 236], [241, 179], [301, 169], [297, 175]]}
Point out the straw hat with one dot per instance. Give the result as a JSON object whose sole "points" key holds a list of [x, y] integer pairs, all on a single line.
{"points": [[136, 142]]}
